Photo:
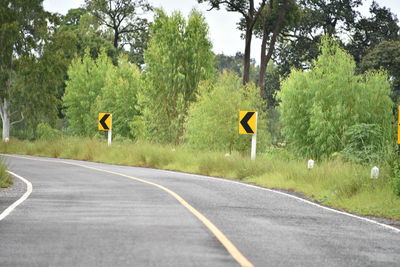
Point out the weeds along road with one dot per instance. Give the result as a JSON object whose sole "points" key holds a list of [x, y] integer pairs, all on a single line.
{"points": [[82, 216]]}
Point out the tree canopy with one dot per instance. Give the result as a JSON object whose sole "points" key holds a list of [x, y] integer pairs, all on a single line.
{"points": [[125, 19], [178, 58], [23, 30]]}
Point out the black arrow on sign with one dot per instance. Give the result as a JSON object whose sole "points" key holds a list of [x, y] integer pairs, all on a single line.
{"points": [[245, 120], [103, 121]]}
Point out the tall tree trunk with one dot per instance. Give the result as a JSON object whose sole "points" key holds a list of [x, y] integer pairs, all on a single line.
{"points": [[5, 117], [116, 37], [251, 19], [246, 58], [263, 63], [265, 58], [5, 114]]}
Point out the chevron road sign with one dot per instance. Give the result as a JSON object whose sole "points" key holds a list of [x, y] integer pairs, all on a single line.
{"points": [[247, 122], [105, 124], [248, 125]]}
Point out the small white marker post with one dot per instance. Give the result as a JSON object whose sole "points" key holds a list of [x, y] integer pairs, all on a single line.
{"points": [[109, 137], [254, 141], [310, 164], [375, 172]]}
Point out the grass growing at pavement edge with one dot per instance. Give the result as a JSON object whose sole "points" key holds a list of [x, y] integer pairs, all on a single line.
{"points": [[5, 177], [338, 184]]}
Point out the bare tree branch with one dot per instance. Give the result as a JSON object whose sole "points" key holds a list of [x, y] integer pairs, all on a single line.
{"points": [[18, 121]]}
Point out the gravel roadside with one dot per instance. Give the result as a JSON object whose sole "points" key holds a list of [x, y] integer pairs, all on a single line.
{"points": [[11, 194]]}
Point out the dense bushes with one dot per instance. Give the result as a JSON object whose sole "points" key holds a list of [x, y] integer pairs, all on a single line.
{"points": [[96, 85], [363, 143], [45, 132], [212, 122], [319, 106]]}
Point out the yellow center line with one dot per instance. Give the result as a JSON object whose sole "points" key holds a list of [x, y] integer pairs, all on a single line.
{"points": [[229, 246]]}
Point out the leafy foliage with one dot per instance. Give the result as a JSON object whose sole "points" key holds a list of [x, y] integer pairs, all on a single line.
{"points": [[298, 46], [122, 17], [84, 27], [250, 13], [363, 143], [96, 85], [178, 58], [386, 55], [395, 180], [371, 31], [320, 105], [87, 77], [235, 64], [23, 30], [46, 132], [119, 97], [213, 121]]}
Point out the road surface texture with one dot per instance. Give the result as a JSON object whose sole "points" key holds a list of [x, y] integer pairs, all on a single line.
{"points": [[79, 216]]}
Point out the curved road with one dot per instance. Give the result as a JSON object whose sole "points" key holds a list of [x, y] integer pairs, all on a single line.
{"points": [[82, 216]]}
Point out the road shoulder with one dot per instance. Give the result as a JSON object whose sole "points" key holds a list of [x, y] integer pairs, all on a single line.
{"points": [[11, 194]]}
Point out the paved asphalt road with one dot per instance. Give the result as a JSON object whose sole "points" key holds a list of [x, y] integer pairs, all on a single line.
{"points": [[84, 217]]}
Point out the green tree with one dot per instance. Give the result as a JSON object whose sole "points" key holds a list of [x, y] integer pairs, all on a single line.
{"points": [[119, 97], [368, 32], [320, 105], [87, 77], [298, 44], [250, 14], [23, 27], [212, 122], [88, 32], [178, 58], [235, 64], [385, 55], [275, 18], [123, 18]]}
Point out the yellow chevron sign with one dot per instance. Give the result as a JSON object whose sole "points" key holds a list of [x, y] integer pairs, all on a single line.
{"points": [[398, 125], [247, 122], [105, 122]]}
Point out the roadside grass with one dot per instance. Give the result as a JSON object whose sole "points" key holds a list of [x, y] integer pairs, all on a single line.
{"points": [[335, 183], [5, 177]]}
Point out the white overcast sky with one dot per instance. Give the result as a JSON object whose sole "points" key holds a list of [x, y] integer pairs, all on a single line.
{"points": [[223, 33]]}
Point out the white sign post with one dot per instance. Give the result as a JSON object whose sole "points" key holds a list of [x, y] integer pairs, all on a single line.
{"points": [[109, 137], [253, 146], [254, 141]]}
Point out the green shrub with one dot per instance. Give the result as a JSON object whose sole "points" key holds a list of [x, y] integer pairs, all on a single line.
{"points": [[45, 132], [363, 143], [212, 122], [119, 97], [319, 105], [395, 179]]}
